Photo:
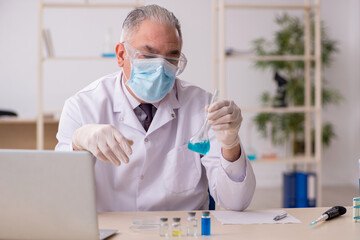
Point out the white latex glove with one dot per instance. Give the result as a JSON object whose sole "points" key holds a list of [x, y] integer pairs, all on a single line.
{"points": [[104, 141], [225, 119]]}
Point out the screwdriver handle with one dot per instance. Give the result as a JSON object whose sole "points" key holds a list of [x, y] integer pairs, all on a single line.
{"points": [[335, 211]]}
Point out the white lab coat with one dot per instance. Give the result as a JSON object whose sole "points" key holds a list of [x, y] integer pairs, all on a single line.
{"points": [[162, 173]]}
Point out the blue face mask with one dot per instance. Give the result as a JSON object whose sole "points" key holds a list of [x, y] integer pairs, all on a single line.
{"points": [[151, 79]]}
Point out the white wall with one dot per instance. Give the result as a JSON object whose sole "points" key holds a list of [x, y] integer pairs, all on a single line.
{"points": [[340, 161], [18, 59], [81, 32]]}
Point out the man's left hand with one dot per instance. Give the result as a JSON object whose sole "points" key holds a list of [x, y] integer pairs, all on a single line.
{"points": [[225, 119]]}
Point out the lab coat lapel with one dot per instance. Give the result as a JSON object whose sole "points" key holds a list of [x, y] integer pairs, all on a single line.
{"points": [[130, 119], [126, 114], [165, 111]]}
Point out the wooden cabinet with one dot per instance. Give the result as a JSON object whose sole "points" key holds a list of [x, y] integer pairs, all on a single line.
{"points": [[19, 133]]}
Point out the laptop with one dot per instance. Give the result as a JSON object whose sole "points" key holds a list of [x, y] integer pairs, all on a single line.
{"points": [[48, 195]]}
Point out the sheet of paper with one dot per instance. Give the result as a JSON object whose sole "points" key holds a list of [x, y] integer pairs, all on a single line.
{"points": [[252, 217]]}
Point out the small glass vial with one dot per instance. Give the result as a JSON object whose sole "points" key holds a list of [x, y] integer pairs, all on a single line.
{"points": [[206, 224], [359, 175], [176, 227], [356, 209], [164, 227], [191, 224]]}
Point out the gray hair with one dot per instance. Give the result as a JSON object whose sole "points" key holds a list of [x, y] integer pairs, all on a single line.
{"points": [[152, 12]]}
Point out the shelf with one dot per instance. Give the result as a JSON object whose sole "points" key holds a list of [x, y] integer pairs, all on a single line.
{"points": [[20, 133], [88, 5], [312, 66], [79, 58], [16, 120], [286, 160], [279, 7], [42, 122], [279, 110], [271, 58]]}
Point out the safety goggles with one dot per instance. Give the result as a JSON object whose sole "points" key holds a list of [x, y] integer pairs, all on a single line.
{"points": [[179, 62]]}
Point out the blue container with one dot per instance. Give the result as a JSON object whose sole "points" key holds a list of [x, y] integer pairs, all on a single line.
{"points": [[206, 224], [301, 189]]}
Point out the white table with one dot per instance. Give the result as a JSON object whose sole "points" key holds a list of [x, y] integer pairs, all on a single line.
{"points": [[340, 228]]}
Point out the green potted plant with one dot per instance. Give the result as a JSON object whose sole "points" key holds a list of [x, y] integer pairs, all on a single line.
{"points": [[289, 40]]}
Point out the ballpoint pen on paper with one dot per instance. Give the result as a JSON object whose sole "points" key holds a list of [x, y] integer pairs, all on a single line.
{"points": [[280, 216]]}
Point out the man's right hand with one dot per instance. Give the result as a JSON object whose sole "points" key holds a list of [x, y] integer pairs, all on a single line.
{"points": [[104, 141]]}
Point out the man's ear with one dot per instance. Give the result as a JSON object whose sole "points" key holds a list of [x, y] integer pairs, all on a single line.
{"points": [[120, 54]]}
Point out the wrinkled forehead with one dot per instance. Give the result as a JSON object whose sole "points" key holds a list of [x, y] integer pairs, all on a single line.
{"points": [[156, 37]]}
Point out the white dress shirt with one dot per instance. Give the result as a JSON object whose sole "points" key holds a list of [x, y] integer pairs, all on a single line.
{"points": [[162, 173]]}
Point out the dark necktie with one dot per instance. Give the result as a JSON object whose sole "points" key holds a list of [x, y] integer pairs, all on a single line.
{"points": [[147, 108]]}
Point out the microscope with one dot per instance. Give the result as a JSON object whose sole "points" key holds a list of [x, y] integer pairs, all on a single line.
{"points": [[280, 97]]}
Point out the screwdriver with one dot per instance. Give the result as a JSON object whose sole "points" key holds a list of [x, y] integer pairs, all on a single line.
{"points": [[330, 214]]}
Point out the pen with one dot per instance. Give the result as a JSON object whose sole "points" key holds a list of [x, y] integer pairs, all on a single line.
{"points": [[281, 216], [330, 214]]}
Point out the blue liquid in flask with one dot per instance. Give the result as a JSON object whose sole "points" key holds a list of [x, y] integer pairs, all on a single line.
{"points": [[251, 157], [200, 141], [200, 147]]}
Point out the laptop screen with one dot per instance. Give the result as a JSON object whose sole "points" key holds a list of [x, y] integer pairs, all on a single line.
{"points": [[47, 195]]}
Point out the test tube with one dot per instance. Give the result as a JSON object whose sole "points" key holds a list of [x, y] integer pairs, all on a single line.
{"points": [[356, 209], [359, 175]]}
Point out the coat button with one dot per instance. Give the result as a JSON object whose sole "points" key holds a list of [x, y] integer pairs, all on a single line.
{"points": [[146, 139], [121, 119], [142, 177]]}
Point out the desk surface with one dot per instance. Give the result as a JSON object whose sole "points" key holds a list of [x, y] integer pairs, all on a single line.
{"points": [[340, 228]]}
